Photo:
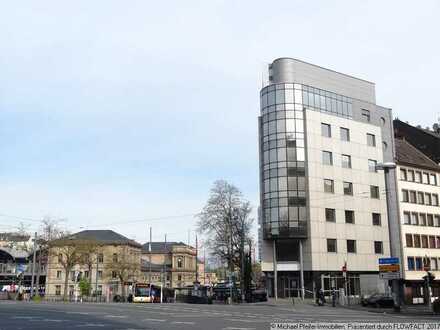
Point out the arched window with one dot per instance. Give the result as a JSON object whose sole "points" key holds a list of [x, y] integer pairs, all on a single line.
{"points": [[179, 262]]}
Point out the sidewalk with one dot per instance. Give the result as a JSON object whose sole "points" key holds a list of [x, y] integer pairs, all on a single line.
{"points": [[413, 310]]}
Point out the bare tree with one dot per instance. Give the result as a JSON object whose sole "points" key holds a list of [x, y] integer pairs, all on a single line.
{"points": [[49, 230], [69, 253], [226, 222], [124, 265]]}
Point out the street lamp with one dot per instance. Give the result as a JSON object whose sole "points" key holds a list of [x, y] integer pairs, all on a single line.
{"points": [[386, 167]]}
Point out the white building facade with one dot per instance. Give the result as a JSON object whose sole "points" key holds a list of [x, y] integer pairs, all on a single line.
{"points": [[419, 193]]}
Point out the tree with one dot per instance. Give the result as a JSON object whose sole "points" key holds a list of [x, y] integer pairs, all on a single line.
{"points": [[70, 252], [84, 287], [225, 220], [49, 230], [124, 266]]}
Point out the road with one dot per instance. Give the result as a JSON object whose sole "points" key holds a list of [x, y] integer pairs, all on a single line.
{"points": [[24, 315]]}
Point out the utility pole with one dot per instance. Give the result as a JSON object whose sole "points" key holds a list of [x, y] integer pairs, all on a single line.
{"points": [[149, 257], [96, 276], [33, 264], [197, 261], [242, 260]]}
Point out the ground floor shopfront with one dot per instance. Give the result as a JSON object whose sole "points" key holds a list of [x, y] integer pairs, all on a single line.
{"points": [[356, 284]]}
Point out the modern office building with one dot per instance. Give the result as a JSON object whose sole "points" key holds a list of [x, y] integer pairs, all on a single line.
{"points": [[419, 191], [323, 201]]}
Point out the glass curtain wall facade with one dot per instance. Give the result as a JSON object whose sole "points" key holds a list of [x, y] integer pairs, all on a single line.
{"points": [[283, 161]]}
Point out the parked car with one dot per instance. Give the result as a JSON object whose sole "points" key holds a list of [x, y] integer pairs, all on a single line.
{"points": [[378, 300]]}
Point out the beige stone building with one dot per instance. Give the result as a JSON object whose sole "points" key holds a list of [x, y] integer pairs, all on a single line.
{"points": [[106, 257], [175, 261]]}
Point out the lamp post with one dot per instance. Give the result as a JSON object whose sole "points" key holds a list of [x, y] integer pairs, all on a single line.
{"points": [[394, 251]]}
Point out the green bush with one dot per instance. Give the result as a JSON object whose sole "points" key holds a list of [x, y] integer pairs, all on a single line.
{"points": [[84, 287]]}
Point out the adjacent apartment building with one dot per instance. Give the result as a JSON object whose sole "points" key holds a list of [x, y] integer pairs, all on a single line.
{"points": [[323, 201], [419, 191]]}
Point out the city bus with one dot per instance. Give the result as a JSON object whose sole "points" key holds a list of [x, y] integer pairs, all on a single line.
{"points": [[145, 293]]}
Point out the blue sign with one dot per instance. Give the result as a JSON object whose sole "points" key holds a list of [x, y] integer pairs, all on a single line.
{"points": [[388, 261]]}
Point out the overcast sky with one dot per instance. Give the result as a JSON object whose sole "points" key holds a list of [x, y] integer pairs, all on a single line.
{"points": [[118, 111]]}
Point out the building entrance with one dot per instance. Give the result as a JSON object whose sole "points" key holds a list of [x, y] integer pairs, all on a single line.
{"points": [[288, 287]]}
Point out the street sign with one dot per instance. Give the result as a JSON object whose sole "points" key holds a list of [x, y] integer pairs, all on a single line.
{"points": [[388, 261], [389, 276], [389, 268]]}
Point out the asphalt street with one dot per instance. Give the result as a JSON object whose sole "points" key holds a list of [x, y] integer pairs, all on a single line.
{"points": [[25, 315]]}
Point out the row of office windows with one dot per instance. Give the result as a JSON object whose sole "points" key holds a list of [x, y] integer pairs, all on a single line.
{"points": [[419, 197], [344, 133], [72, 275], [329, 187], [421, 219], [72, 290], [327, 102], [330, 216], [327, 159], [418, 263], [332, 246], [100, 257], [422, 241], [418, 176]]}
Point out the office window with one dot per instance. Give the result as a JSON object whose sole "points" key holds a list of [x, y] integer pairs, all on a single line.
{"points": [[348, 188], [405, 195], [433, 179], [179, 277], [432, 242], [436, 221], [378, 247], [411, 175], [425, 242], [327, 158], [371, 140], [409, 240], [326, 130], [58, 290], [411, 264], [418, 177], [99, 274], [374, 192], [365, 115], [437, 239], [415, 219], [422, 219], [58, 274], [406, 218], [430, 220], [351, 246], [349, 216], [376, 219], [346, 161], [403, 174], [434, 264], [330, 215], [329, 186], [412, 197], [434, 199], [331, 245], [416, 239], [419, 263], [425, 178], [345, 134], [420, 197], [372, 165], [428, 199], [100, 258]]}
